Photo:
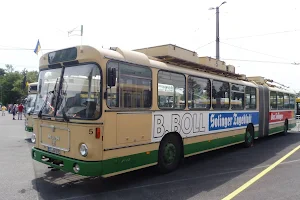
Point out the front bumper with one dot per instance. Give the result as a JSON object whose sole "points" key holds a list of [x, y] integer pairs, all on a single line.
{"points": [[87, 168]]}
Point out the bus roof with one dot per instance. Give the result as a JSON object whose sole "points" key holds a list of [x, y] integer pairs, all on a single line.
{"points": [[161, 57], [34, 83]]}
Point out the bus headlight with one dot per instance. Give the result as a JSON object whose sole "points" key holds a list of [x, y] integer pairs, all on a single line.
{"points": [[83, 150], [33, 138]]}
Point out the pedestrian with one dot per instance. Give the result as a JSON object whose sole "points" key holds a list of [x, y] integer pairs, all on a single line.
{"points": [[14, 110], [3, 110], [20, 111]]}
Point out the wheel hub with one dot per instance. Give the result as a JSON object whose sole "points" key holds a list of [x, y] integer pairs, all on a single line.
{"points": [[169, 153]]}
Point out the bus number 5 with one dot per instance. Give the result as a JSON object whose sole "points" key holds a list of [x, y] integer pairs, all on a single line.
{"points": [[91, 132]]}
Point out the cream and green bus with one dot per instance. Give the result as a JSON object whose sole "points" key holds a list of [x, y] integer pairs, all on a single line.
{"points": [[29, 106], [103, 112]]}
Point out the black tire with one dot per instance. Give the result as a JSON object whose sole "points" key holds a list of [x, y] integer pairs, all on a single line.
{"points": [[286, 127], [169, 154], [249, 136]]}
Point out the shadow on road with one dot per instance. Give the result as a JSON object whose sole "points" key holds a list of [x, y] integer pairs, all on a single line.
{"points": [[203, 172]]}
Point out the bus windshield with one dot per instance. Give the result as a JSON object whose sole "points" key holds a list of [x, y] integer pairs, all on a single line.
{"points": [[30, 102], [80, 92], [48, 81]]}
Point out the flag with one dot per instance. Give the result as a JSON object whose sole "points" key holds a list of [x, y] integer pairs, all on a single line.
{"points": [[38, 47]]}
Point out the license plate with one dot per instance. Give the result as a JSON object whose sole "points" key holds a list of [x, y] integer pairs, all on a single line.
{"points": [[53, 150]]}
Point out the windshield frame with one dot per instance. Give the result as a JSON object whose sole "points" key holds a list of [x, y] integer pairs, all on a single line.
{"points": [[60, 87]]}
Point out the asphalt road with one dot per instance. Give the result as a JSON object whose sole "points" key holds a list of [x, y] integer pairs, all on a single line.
{"points": [[212, 175]]}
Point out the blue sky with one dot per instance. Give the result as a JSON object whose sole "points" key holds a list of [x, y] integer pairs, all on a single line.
{"points": [[137, 24]]}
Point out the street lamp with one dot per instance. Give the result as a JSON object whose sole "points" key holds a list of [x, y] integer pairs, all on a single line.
{"points": [[217, 30]]}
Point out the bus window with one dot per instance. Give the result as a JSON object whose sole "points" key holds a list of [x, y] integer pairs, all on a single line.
{"points": [[250, 93], [286, 100], [292, 101], [171, 90], [237, 97], [280, 105], [220, 95], [133, 87], [273, 100], [198, 93]]}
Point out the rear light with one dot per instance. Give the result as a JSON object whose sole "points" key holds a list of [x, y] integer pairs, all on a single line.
{"points": [[98, 133]]}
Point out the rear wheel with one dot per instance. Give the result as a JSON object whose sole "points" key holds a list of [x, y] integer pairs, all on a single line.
{"points": [[285, 128], [249, 136], [169, 154]]}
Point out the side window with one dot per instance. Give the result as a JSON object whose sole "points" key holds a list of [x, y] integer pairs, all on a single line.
{"points": [[250, 98], [273, 100], [133, 86], [220, 95], [198, 93], [171, 90], [286, 99], [292, 101], [280, 101], [237, 97]]}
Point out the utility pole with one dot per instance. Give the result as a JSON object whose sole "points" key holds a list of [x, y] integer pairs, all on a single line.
{"points": [[217, 35], [217, 30]]}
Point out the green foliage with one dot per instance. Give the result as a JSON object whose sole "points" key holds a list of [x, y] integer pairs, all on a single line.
{"points": [[11, 82]]}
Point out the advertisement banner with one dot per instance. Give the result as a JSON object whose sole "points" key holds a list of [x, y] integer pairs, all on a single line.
{"points": [[280, 116], [219, 121]]}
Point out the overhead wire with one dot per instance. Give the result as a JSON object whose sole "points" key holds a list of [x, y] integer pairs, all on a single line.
{"points": [[261, 61], [255, 51], [18, 48], [264, 34], [204, 45]]}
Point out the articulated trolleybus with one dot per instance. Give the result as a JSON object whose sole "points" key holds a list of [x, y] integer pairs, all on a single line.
{"points": [[103, 112], [32, 92]]}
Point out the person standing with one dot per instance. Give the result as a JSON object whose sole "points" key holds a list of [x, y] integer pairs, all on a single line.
{"points": [[14, 110], [3, 110], [20, 111]]}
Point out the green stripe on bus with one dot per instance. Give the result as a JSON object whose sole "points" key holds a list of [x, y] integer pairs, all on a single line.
{"points": [[206, 145], [292, 125], [128, 162]]}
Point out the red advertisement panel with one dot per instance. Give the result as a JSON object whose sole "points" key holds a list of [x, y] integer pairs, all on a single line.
{"points": [[279, 116]]}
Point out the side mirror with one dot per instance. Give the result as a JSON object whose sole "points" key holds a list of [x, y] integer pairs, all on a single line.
{"points": [[111, 77]]}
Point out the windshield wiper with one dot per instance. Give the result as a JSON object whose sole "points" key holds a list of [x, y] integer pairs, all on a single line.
{"points": [[65, 116], [62, 97], [45, 104]]}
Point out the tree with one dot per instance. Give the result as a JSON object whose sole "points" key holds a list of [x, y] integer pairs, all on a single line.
{"points": [[32, 76], [11, 84], [2, 72], [9, 68]]}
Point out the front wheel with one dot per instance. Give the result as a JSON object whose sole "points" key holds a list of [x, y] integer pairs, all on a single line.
{"points": [[249, 136], [169, 154]]}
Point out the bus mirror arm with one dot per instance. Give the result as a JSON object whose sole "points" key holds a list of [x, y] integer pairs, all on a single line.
{"points": [[111, 77]]}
